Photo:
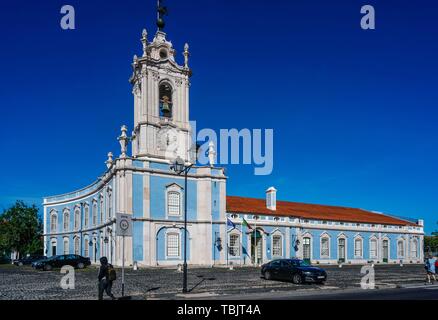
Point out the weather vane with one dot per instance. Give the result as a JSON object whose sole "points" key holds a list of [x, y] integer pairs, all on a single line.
{"points": [[161, 12]]}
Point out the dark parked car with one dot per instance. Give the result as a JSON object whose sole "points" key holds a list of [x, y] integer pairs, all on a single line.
{"points": [[28, 260], [73, 260], [296, 270]]}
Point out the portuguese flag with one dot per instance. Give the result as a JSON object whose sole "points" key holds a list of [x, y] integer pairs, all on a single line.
{"points": [[246, 224]]}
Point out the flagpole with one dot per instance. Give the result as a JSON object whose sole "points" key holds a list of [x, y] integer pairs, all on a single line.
{"points": [[255, 241], [226, 239]]}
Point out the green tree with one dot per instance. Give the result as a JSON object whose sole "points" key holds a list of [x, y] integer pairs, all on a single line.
{"points": [[21, 230]]}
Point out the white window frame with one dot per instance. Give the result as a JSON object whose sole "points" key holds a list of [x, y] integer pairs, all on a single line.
{"points": [[375, 256], [280, 236], [178, 247], [174, 189], [53, 221], [310, 237], [66, 220], [94, 213], [414, 248], [110, 204], [86, 247], [402, 242], [236, 247], [64, 242], [77, 246], [86, 215], [77, 218], [324, 237], [356, 239]]}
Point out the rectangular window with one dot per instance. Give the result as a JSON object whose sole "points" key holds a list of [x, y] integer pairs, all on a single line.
{"points": [[86, 217], [358, 248], [373, 249], [94, 213], [414, 252], [400, 249], [173, 204], [86, 254], [173, 245], [66, 247], [277, 250], [53, 223], [234, 245], [325, 249]]}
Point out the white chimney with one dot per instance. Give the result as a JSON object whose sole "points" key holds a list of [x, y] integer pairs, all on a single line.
{"points": [[421, 222], [271, 198]]}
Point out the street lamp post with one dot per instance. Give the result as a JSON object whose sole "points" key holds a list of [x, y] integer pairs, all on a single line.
{"points": [[180, 167]]}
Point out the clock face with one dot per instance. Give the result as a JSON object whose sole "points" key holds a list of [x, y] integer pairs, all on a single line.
{"points": [[124, 224], [167, 139]]}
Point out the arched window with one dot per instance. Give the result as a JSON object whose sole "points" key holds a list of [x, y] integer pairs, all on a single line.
{"points": [[66, 246], [172, 245], [76, 244], [77, 220], [400, 248], [173, 203], [234, 245], [86, 215], [277, 245], [414, 248], [53, 221], [373, 248], [325, 246], [358, 247], [66, 219], [166, 104]]}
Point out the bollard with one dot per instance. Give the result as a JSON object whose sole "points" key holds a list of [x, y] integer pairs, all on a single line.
{"points": [[231, 266], [135, 266]]}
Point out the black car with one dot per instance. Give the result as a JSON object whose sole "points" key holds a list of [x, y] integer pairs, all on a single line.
{"points": [[59, 261], [298, 271], [28, 260]]}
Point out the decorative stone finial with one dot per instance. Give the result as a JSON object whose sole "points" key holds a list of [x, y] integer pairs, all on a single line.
{"points": [[144, 41], [109, 162], [186, 55], [211, 154], [123, 140]]}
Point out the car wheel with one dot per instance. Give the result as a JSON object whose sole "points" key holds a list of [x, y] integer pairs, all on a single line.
{"points": [[297, 279], [268, 275], [20, 264], [321, 283], [47, 267], [81, 265]]}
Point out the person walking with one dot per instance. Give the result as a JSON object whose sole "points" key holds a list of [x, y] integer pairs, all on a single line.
{"points": [[106, 277], [430, 269]]}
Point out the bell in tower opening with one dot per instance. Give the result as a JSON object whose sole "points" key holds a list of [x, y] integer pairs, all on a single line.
{"points": [[166, 100]]}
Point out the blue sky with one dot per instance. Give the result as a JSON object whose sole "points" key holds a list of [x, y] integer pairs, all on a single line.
{"points": [[354, 112]]}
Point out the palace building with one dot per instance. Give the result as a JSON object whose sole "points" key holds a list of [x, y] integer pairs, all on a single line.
{"points": [[220, 229]]}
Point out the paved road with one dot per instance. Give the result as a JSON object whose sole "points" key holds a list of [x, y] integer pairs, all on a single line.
{"points": [[418, 292], [26, 283]]}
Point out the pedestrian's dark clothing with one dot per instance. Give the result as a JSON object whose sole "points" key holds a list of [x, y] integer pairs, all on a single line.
{"points": [[105, 284]]}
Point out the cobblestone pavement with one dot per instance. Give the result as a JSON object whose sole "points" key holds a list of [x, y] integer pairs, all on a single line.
{"points": [[26, 283]]}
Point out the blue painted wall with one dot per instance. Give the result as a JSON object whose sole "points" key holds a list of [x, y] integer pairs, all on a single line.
{"points": [[158, 201], [137, 206]]}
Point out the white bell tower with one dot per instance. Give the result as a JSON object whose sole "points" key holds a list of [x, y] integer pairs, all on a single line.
{"points": [[161, 100]]}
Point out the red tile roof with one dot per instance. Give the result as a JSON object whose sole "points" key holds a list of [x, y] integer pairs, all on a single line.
{"points": [[310, 211]]}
